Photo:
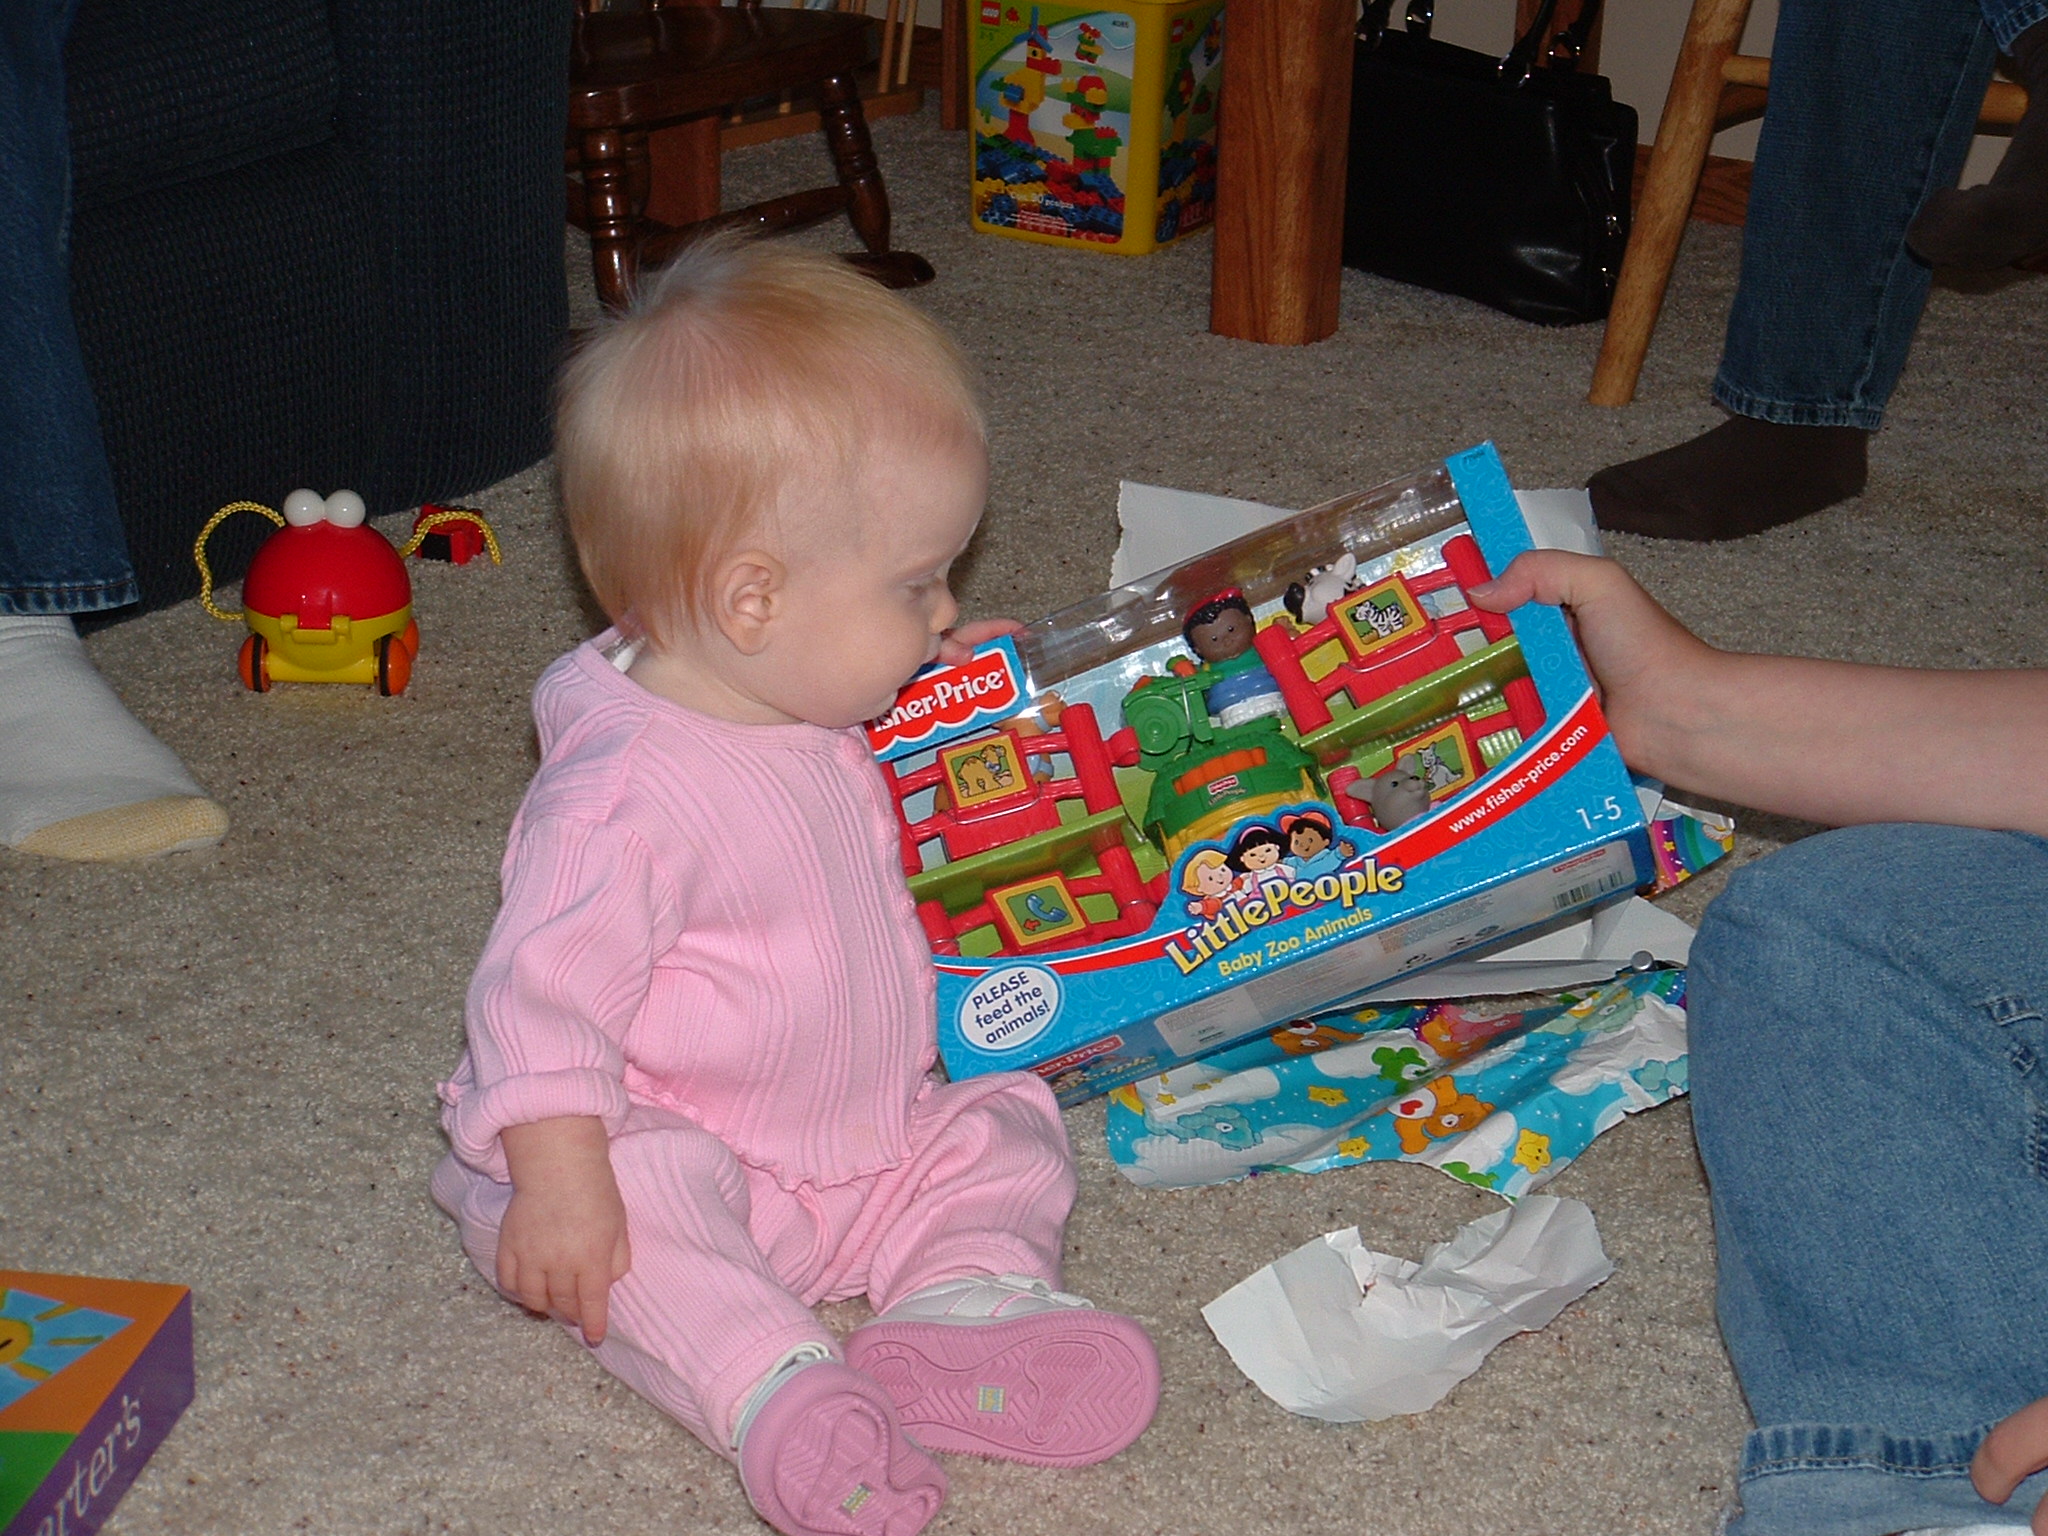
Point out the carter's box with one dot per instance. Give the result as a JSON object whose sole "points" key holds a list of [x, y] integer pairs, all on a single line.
{"points": [[1225, 795], [93, 1374]]}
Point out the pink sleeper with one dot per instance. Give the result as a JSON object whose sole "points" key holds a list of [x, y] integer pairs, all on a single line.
{"points": [[705, 942]]}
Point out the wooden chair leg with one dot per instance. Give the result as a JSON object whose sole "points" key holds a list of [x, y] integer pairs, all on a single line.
{"points": [[853, 159], [867, 202], [1683, 135], [609, 212], [953, 63]]}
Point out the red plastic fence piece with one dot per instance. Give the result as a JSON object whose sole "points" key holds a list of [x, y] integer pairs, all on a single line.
{"points": [[1033, 809]]}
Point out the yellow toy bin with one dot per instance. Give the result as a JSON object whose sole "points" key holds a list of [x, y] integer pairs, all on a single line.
{"points": [[1096, 126]]}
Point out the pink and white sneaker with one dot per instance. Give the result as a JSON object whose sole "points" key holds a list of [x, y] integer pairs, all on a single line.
{"points": [[825, 1455], [1006, 1366]]}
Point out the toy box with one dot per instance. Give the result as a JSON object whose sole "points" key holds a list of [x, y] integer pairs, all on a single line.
{"points": [[93, 1374], [1096, 125], [1124, 859]]}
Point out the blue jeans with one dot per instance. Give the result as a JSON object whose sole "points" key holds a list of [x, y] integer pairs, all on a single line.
{"points": [[1871, 1101], [61, 545], [1873, 106]]}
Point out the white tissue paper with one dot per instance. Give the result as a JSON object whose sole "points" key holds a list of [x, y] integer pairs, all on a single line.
{"points": [[1338, 1331]]}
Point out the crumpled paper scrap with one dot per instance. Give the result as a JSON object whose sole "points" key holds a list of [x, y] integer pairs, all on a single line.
{"points": [[1338, 1331]]}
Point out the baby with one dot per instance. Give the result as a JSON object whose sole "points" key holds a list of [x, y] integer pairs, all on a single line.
{"points": [[699, 1095]]}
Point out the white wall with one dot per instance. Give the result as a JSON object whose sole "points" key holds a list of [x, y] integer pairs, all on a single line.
{"points": [[928, 11], [1639, 45]]}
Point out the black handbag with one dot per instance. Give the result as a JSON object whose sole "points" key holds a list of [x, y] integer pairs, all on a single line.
{"points": [[1495, 179]]}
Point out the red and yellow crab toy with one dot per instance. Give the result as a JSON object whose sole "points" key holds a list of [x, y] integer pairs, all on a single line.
{"points": [[327, 598]]}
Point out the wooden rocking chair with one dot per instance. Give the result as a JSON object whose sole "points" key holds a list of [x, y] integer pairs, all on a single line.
{"points": [[637, 65]]}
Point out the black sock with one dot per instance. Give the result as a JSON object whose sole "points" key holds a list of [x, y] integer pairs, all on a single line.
{"points": [[1741, 478], [2007, 218]]}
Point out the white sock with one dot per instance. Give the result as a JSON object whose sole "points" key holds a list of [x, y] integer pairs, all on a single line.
{"points": [[80, 777], [973, 1299]]}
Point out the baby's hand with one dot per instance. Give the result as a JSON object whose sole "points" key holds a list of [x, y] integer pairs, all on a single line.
{"points": [[957, 644], [563, 1241], [2016, 1448]]}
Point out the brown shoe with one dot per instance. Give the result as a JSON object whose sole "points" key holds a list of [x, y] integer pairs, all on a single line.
{"points": [[1741, 478]]}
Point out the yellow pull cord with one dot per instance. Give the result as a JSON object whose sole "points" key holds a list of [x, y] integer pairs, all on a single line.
{"points": [[199, 552], [435, 520]]}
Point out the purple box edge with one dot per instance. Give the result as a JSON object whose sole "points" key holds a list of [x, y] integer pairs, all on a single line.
{"points": [[160, 1386]]}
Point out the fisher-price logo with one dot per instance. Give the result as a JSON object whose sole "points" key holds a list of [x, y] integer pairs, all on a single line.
{"points": [[944, 702]]}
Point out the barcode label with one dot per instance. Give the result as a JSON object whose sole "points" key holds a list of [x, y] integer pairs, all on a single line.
{"points": [[1579, 895]]}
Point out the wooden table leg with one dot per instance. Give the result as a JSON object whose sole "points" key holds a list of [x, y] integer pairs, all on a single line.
{"points": [[1283, 135]]}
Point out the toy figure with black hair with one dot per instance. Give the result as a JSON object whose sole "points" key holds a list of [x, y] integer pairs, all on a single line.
{"points": [[1211, 733], [1237, 686]]}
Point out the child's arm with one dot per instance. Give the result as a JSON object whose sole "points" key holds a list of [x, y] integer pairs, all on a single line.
{"points": [[561, 981], [562, 1244], [1828, 741]]}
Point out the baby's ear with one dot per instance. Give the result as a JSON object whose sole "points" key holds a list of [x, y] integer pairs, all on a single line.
{"points": [[747, 599]]}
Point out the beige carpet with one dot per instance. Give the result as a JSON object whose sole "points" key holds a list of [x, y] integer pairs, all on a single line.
{"points": [[219, 1070]]}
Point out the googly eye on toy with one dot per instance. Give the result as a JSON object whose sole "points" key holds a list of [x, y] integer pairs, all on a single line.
{"points": [[327, 598], [344, 509]]}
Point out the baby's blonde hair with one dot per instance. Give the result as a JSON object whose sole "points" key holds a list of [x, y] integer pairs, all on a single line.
{"points": [[741, 370]]}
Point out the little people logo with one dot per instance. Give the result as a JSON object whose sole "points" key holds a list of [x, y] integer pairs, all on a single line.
{"points": [[1231, 896], [943, 702]]}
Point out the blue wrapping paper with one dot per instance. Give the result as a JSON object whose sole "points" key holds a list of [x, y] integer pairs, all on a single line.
{"points": [[1502, 1099]]}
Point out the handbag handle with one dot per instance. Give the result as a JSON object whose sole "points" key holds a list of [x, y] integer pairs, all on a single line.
{"points": [[1520, 61], [1372, 22], [1566, 47]]}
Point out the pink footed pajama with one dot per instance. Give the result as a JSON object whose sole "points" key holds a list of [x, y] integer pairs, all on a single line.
{"points": [[705, 943]]}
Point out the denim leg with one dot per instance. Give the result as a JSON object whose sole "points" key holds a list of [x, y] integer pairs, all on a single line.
{"points": [[1873, 105], [61, 545], [1871, 1102]]}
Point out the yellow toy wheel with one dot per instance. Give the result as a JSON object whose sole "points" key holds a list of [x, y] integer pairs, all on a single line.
{"points": [[254, 665]]}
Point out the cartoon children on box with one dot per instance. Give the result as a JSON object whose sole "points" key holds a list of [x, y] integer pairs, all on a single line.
{"points": [[1207, 881], [1313, 846], [1255, 855]]}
